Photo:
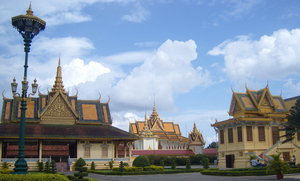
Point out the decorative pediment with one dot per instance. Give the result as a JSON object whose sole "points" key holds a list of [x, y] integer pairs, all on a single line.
{"points": [[58, 108]]}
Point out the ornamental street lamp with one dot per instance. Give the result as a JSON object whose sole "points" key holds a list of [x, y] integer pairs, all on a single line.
{"points": [[28, 26]]}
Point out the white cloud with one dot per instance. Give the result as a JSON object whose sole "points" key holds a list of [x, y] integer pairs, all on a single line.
{"points": [[76, 72], [270, 57], [128, 57], [240, 7], [138, 15], [166, 73], [146, 44]]}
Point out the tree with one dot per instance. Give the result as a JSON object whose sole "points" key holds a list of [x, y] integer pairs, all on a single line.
{"points": [[212, 145], [293, 125]]}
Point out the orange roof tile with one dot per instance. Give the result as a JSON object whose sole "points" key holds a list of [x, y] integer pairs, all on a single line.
{"points": [[169, 127], [141, 126], [177, 129], [134, 128]]}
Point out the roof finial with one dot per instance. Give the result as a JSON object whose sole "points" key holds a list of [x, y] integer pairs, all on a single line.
{"points": [[246, 86], [29, 11], [267, 84], [232, 89], [59, 60]]}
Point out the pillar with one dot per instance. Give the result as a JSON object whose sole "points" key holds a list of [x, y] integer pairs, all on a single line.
{"points": [[117, 150], [0, 150], [130, 151], [40, 150], [113, 151], [125, 152]]}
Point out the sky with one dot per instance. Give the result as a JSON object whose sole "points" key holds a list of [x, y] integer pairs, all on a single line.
{"points": [[186, 55]]}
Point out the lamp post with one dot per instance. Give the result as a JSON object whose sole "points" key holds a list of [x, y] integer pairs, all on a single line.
{"points": [[28, 26]]}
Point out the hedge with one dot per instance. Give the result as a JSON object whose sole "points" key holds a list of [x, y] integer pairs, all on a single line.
{"points": [[33, 177], [244, 172], [165, 171], [6, 171], [167, 159]]}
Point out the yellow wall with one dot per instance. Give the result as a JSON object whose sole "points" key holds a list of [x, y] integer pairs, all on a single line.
{"points": [[239, 149], [95, 149]]}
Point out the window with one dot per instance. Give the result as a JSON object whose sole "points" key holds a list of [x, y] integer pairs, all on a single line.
{"points": [[104, 151], [221, 136], [239, 133], [261, 133], [230, 135], [275, 134], [87, 151], [249, 133]]}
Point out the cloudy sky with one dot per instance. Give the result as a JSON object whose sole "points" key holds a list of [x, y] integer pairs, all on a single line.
{"points": [[189, 53]]}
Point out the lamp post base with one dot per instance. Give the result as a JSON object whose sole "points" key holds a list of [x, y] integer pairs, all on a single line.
{"points": [[20, 167]]}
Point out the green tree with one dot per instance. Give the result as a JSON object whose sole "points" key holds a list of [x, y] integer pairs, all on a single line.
{"points": [[53, 167], [293, 123], [47, 167], [162, 163], [141, 161], [121, 166], [205, 163], [212, 145], [82, 170], [173, 166], [93, 166], [188, 164]]}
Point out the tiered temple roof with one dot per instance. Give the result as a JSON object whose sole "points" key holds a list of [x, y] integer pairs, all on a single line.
{"points": [[59, 115], [163, 130]]}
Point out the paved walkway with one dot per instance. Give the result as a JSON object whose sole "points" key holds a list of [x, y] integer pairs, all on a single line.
{"points": [[184, 177]]}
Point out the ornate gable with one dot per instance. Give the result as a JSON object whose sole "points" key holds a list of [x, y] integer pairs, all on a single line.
{"points": [[58, 111], [196, 138]]}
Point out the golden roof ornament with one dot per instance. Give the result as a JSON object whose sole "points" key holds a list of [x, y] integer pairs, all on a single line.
{"points": [[58, 83], [29, 11]]}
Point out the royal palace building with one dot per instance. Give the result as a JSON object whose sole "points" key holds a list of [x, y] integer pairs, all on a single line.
{"points": [[254, 129], [59, 126]]}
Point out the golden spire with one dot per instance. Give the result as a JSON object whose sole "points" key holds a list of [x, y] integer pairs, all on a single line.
{"points": [[154, 113], [58, 83], [29, 11], [195, 127]]}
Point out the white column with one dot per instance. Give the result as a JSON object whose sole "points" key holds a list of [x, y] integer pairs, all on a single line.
{"points": [[40, 150], [129, 151], [113, 151], [117, 150], [125, 145]]}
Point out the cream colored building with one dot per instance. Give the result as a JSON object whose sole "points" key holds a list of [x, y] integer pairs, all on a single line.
{"points": [[257, 117]]}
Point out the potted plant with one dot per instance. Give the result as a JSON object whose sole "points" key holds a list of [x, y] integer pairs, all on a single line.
{"points": [[278, 166]]}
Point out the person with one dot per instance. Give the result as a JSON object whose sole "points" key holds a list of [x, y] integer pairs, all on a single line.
{"points": [[294, 160], [253, 162], [258, 164]]}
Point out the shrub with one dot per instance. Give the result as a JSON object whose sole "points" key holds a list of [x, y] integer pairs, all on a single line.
{"points": [[82, 170], [188, 164], [47, 167], [4, 165], [53, 167], [40, 166], [34, 177], [121, 166], [93, 166], [205, 163], [141, 161], [162, 163], [111, 164], [173, 166], [6, 171], [126, 165]]}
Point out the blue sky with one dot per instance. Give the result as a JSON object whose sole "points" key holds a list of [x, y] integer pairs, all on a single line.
{"points": [[189, 53]]}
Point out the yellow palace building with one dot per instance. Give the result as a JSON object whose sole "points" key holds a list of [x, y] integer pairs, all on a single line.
{"points": [[257, 117]]}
